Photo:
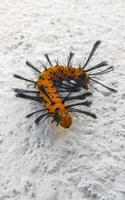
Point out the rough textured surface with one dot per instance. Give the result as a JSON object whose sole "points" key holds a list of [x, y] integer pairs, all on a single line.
{"points": [[86, 162]]}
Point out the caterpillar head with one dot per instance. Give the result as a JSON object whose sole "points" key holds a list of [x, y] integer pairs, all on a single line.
{"points": [[62, 117], [66, 120]]}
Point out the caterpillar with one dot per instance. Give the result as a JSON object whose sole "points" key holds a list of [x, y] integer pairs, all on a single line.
{"points": [[57, 80]]}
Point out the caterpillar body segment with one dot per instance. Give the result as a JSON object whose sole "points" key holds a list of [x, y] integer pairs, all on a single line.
{"points": [[58, 84], [53, 103]]}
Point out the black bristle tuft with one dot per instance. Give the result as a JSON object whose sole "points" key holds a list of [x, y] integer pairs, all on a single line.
{"points": [[73, 110], [102, 64], [37, 111], [71, 54], [32, 66], [47, 58], [110, 89], [24, 96], [22, 78], [17, 90], [95, 46], [85, 103], [79, 97], [107, 70], [38, 119]]}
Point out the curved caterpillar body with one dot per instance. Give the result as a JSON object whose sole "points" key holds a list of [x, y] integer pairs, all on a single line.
{"points": [[54, 103], [57, 80]]}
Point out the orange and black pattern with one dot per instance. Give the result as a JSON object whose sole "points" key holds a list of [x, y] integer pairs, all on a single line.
{"points": [[57, 86]]}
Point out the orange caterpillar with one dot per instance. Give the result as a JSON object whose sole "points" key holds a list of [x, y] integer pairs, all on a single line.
{"points": [[57, 80]]}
